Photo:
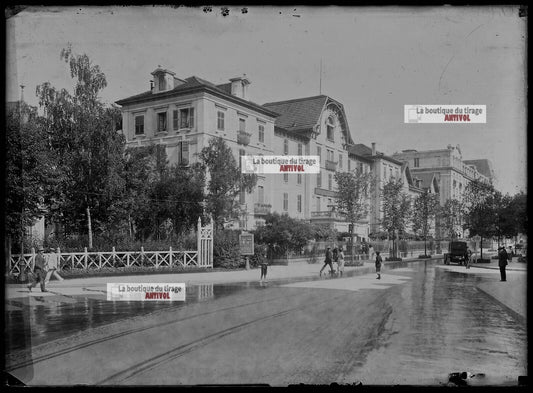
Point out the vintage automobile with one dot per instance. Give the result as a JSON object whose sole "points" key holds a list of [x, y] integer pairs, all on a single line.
{"points": [[456, 252]]}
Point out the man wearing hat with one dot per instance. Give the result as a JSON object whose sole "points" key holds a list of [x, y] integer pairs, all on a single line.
{"points": [[39, 271], [502, 262]]}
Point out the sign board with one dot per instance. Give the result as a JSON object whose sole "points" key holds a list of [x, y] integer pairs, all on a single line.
{"points": [[246, 243]]}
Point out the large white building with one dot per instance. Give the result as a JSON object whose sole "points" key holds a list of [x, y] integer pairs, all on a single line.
{"points": [[183, 114]]}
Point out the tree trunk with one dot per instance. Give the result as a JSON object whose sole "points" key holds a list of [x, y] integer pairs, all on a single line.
{"points": [[89, 227], [481, 247]]}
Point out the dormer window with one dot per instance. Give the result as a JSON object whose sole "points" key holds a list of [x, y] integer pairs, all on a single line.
{"points": [[162, 82]]}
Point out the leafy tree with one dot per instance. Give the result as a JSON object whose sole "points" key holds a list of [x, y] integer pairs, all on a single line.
{"points": [[450, 217], [517, 210], [479, 210], [283, 234], [225, 181], [30, 170], [353, 196], [82, 133], [424, 212], [396, 210]]}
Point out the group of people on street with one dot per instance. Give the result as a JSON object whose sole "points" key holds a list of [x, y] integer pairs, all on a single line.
{"points": [[337, 256], [45, 266]]}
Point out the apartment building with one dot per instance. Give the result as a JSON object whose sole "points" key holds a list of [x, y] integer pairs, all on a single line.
{"points": [[183, 114], [452, 173]]}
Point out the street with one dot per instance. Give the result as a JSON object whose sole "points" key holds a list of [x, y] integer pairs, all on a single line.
{"points": [[419, 323]]}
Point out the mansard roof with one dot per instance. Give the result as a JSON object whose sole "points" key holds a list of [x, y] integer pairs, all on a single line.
{"points": [[303, 114], [483, 166], [362, 150]]}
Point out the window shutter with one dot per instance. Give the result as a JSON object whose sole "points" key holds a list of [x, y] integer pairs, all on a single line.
{"points": [[191, 118], [185, 153]]}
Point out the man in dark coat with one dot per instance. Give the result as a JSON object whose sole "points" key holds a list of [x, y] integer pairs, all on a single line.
{"points": [[502, 262], [328, 261], [39, 271]]}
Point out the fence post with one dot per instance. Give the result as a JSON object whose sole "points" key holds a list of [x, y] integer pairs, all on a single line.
{"points": [[86, 257], [58, 250], [99, 259], [199, 243], [113, 256], [170, 256], [142, 255], [32, 258]]}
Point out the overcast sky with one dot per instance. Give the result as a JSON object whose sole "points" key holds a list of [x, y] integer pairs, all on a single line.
{"points": [[374, 61]]}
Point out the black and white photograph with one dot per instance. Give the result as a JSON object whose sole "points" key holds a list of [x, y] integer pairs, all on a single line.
{"points": [[281, 196]]}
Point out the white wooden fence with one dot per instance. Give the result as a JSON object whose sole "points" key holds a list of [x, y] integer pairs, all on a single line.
{"points": [[203, 257]]}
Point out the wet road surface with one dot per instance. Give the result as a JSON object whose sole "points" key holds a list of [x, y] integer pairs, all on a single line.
{"points": [[415, 326]]}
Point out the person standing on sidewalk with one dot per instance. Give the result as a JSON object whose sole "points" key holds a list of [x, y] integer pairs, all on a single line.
{"points": [[502, 262], [468, 254], [53, 266], [327, 261], [264, 267], [340, 262], [39, 271], [378, 265]]}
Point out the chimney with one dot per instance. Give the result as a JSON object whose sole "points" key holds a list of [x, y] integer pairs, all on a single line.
{"points": [[239, 87], [373, 148], [22, 93]]}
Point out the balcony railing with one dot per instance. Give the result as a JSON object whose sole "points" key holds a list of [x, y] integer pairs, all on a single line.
{"points": [[243, 137], [327, 214], [262, 208], [331, 165]]}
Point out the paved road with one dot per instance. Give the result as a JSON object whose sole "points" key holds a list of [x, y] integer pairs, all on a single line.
{"points": [[416, 325]]}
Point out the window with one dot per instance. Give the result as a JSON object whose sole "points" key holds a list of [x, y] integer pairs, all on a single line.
{"points": [[261, 194], [299, 203], [186, 118], [319, 154], [390, 172], [286, 146], [318, 204], [319, 180], [349, 164], [261, 133], [162, 121], [300, 149], [330, 205], [417, 162], [330, 126], [139, 125], [329, 155], [299, 178], [360, 169], [162, 82], [220, 120], [285, 201], [330, 181], [175, 118], [242, 196], [286, 177], [183, 153], [340, 161], [242, 125]]}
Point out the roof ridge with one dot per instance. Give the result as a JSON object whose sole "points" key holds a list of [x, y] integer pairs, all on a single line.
{"points": [[295, 100]]}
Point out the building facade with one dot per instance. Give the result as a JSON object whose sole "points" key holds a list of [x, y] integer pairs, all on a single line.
{"points": [[184, 114], [447, 166]]}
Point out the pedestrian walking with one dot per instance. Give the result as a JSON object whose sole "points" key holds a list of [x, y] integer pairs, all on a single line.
{"points": [[39, 271], [340, 263], [378, 265], [327, 261], [53, 266], [502, 262], [468, 253], [264, 268]]}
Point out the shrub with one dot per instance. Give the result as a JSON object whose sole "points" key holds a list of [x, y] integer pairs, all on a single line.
{"points": [[226, 251], [393, 259]]}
